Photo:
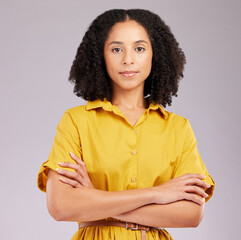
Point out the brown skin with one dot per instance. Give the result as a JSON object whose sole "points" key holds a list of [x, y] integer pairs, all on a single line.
{"points": [[176, 203], [128, 58], [128, 49], [72, 197]]}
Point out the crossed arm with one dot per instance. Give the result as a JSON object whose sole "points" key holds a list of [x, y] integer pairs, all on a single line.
{"points": [[176, 203]]}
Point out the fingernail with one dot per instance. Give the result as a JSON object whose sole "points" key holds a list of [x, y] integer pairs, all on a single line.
{"points": [[59, 170], [71, 154], [61, 163]]}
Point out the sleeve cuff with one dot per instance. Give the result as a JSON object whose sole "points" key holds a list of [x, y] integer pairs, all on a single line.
{"points": [[208, 179]]}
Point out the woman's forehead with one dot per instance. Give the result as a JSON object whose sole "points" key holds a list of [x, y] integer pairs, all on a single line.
{"points": [[129, 30]]}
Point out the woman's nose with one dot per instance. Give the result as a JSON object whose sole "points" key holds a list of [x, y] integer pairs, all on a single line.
{"points": [[128, 58]]}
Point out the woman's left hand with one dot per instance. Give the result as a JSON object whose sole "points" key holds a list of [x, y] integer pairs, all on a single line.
{"points": [[77, 179]]}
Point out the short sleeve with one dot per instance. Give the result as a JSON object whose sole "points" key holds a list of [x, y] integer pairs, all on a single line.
{"points": [[66, 140], [190, 160]]}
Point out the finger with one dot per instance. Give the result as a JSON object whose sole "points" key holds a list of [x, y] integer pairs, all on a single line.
{"points": [[76, 159], [82, 169], [197, 190], [70, 182], [83, 179], [197, 182], [68, 165], [194, 198], [87, 183], [79, 169], [70, 174], [80, 162], [192, 175]]}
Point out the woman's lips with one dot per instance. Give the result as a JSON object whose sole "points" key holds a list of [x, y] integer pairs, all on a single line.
{"points": [[128, 73]]}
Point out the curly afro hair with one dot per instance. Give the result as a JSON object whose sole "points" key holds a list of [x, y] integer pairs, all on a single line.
{"points": [[88, 72]]}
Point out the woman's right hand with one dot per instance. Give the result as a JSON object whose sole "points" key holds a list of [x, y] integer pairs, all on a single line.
{"points": [[186, 187]]}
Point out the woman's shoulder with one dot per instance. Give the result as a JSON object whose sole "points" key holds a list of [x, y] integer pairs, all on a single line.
{"points": [[77, 112], [178, 123], [167, 115], [176, 118], [76, 109], [89, 105]]}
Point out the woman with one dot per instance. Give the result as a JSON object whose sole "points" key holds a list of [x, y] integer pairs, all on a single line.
{"points": [[122, 166]]}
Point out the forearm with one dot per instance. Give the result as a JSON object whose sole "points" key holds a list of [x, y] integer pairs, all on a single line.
{"points": [[178, 214], [69, 203], [66, 203]]}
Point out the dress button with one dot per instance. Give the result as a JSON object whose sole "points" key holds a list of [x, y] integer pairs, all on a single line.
{"points": [[133, 180], [133, 152], [136, 131]]}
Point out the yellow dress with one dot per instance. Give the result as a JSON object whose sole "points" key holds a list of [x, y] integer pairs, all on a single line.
{"points": [[119, 156]]}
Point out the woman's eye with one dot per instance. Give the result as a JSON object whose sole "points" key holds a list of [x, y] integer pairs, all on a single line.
{"points": [[140, 49], [116, 50]]}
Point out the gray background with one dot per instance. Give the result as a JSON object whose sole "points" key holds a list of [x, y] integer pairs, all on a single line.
{"points": [[38, 44]]}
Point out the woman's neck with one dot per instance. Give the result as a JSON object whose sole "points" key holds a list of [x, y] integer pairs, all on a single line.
{"points": [[129, 99]]}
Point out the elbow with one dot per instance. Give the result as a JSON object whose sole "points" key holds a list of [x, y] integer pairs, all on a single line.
{"points": [[57, 206], [61, 210], [55, 211], [60, 199], [197, 216], [57, 215], [195, 222]]}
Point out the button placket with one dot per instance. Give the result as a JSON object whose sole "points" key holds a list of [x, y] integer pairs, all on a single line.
{"points": [[133, 152], [133, 180], [133, 160]]}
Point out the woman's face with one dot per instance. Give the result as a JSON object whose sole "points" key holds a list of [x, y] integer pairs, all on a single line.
{"points": [[128, 55]]}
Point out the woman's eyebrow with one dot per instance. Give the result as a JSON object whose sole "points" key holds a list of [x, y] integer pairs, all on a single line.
{"points": [[115, 42], [141, 41], [121, 43]]}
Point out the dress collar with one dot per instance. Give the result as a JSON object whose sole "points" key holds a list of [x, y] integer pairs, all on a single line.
{"points": [[108, 106]]}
